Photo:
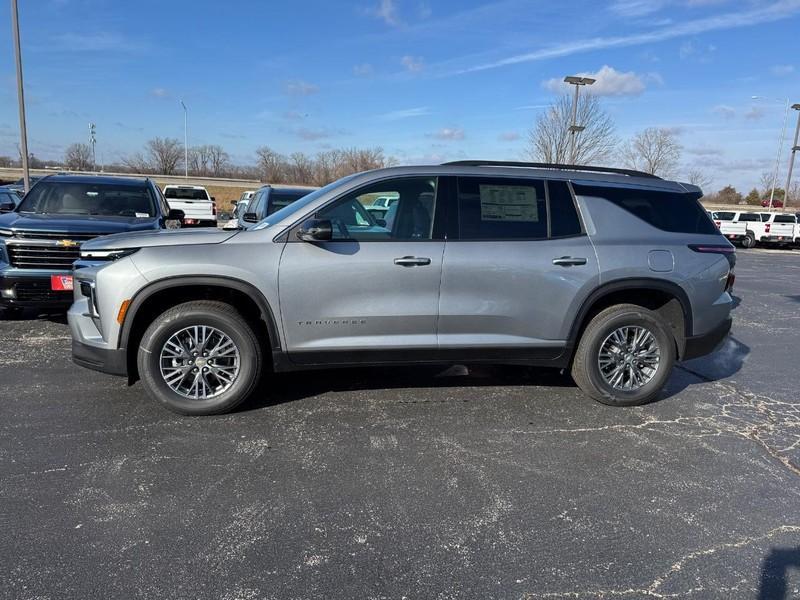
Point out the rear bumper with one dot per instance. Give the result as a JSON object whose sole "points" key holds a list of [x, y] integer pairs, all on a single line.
{"points": [[31, 290], [777, 239], [113, 362], [700, 345], [734, 237]]}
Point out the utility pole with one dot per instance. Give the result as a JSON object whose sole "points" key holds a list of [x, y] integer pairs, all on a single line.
{"points": [[780, 147], [185, 140], [23, 131], [794, 150], [93, 141], [574, 129]]}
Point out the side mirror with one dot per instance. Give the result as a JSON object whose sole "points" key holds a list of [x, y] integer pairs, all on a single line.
{"points": [[315, 230], [380, 222], [174, 219], [7, 206], [250, 217], [213, 199]]}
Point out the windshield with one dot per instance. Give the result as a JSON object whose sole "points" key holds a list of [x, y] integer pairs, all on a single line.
{"points": [[300, 204], [108, 200], [185, 194], [749, 217]]}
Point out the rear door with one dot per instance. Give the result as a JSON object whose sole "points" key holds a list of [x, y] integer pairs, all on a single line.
{"points": [[516, 264], [372, 292]]}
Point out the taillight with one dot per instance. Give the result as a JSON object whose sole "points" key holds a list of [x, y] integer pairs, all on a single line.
{"points": [[713, 248], [718, 224], [766, 227], [213, 208]]}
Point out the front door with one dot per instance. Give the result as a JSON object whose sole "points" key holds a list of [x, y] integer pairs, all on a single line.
{"points": [[372, 292]]}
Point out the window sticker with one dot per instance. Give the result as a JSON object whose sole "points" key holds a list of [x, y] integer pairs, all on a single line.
{"points": [[509, 203]]}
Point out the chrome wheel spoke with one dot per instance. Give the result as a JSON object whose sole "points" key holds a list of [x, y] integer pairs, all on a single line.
{"points": [[199, 362], [629, 358]]}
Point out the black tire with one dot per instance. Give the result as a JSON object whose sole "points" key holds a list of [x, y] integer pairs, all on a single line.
{"points": [[749, 241], [225, 319], [586, 370]]}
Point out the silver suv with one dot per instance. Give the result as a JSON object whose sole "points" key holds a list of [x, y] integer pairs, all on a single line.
{"points": [[610, 273]]}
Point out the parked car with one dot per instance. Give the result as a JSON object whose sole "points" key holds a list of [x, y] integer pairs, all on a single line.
{"points": [[610, 273], [247, 195], [380, 206], [200, 208], [269, 199], [9, 200], [18, 186], [41, 238], [730, 226], [238, 213], [770, 228], [775, 203]]}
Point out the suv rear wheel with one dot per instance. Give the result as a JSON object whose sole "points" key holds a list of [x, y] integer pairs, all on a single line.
{"points": [[625, 356], [200, 358]]}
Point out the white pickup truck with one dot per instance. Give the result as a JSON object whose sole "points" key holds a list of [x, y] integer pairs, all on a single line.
{"points": [[728, 224], [199, 208], [779, 229]]}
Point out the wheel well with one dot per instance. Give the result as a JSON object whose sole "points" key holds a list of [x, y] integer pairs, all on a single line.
{"points": [[164, 299], [668, 306]]}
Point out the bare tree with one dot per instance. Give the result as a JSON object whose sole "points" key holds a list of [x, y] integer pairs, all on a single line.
{"points": [[165, 154], [549, 140], [654, 150], [137, 163], [78, 157], [198, 160], [219, 160], [301, 168], [271, 165], [6, 161], [793, 197], [700, 178]]}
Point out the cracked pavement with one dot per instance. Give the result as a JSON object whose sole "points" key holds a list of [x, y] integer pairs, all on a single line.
{"points": [[492, 482]]}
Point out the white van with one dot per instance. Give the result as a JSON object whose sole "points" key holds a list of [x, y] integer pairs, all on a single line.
{"points": [[199, 208]]}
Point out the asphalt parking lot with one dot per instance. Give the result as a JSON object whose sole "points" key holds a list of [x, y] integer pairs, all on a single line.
{"points": [[415, 483]]}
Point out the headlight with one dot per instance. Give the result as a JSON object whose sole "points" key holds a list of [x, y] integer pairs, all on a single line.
{"points": [[107, 254]]}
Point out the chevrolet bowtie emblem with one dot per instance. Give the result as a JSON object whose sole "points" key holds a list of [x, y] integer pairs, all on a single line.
{"points": [[67, 243]]}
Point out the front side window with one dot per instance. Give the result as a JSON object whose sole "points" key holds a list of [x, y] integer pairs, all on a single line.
{"points": [[411, 217], [108, 200], [501, 209]]}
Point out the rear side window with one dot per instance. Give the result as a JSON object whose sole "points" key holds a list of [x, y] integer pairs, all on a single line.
{"points": [[724, 216], [564, 219], [750, 217], [279, 199], [669, 211], [501, 209], [178, 193], [784, 219]]}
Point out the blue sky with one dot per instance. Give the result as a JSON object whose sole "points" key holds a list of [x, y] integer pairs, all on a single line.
{"points": [[427, 80]]}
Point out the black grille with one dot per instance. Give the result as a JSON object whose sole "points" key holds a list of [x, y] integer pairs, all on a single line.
{"points": [[55, 235], [42, 257], [39, 291]]}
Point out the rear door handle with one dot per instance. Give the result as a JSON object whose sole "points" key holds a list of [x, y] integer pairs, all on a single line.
{"points": [[412, 261], [568, 261]]}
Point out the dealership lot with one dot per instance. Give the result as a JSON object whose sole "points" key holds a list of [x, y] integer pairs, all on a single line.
{"points": [[411, 482]]}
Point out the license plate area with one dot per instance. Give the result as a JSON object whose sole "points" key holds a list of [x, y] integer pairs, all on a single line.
{"points": [[61, 283]]}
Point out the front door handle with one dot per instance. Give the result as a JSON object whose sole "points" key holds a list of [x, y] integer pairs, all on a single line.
{"points": [[568, 261], [412, 261]]}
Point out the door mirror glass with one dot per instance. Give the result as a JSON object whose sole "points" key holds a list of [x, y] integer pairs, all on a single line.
{"points": [[6, 205], [315, 230], [250, 217]]}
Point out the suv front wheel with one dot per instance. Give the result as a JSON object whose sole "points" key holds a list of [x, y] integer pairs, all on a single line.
{"points": [[625, 356], [200, 358]]}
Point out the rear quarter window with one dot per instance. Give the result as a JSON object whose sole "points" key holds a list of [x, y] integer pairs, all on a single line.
{"points": [[784, 219], [749, 217], [668, 211]]}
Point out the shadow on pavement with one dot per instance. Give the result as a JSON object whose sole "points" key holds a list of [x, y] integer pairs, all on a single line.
{"points": [[773, 583], [27, 314], [288, 387]]}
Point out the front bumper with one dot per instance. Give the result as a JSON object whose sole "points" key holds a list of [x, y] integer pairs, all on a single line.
{"points": [[113, 362], [700, 345], [31, 290]]}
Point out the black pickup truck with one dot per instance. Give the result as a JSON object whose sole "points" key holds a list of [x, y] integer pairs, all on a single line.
{"points": [[41, 238]]}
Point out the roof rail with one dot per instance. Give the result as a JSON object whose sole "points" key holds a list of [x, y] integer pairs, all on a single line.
{"points": [[535, 165]]}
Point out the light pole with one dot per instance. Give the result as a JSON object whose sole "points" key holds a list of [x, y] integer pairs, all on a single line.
{"points": [[23, 131], [794, 150], [574, 129], [185, 140], [780, 147], [93, 141]]}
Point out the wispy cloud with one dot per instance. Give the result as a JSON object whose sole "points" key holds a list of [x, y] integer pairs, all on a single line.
{"points": [[300, 88], [159, 92], [449, 134], [386, 11], [731, 20], [102, 41], [723, 110], [406, 113], [508, 136], [363, 70], [414, 64], [312, 135], [781, 70], [609, 82], [755, 113]]}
